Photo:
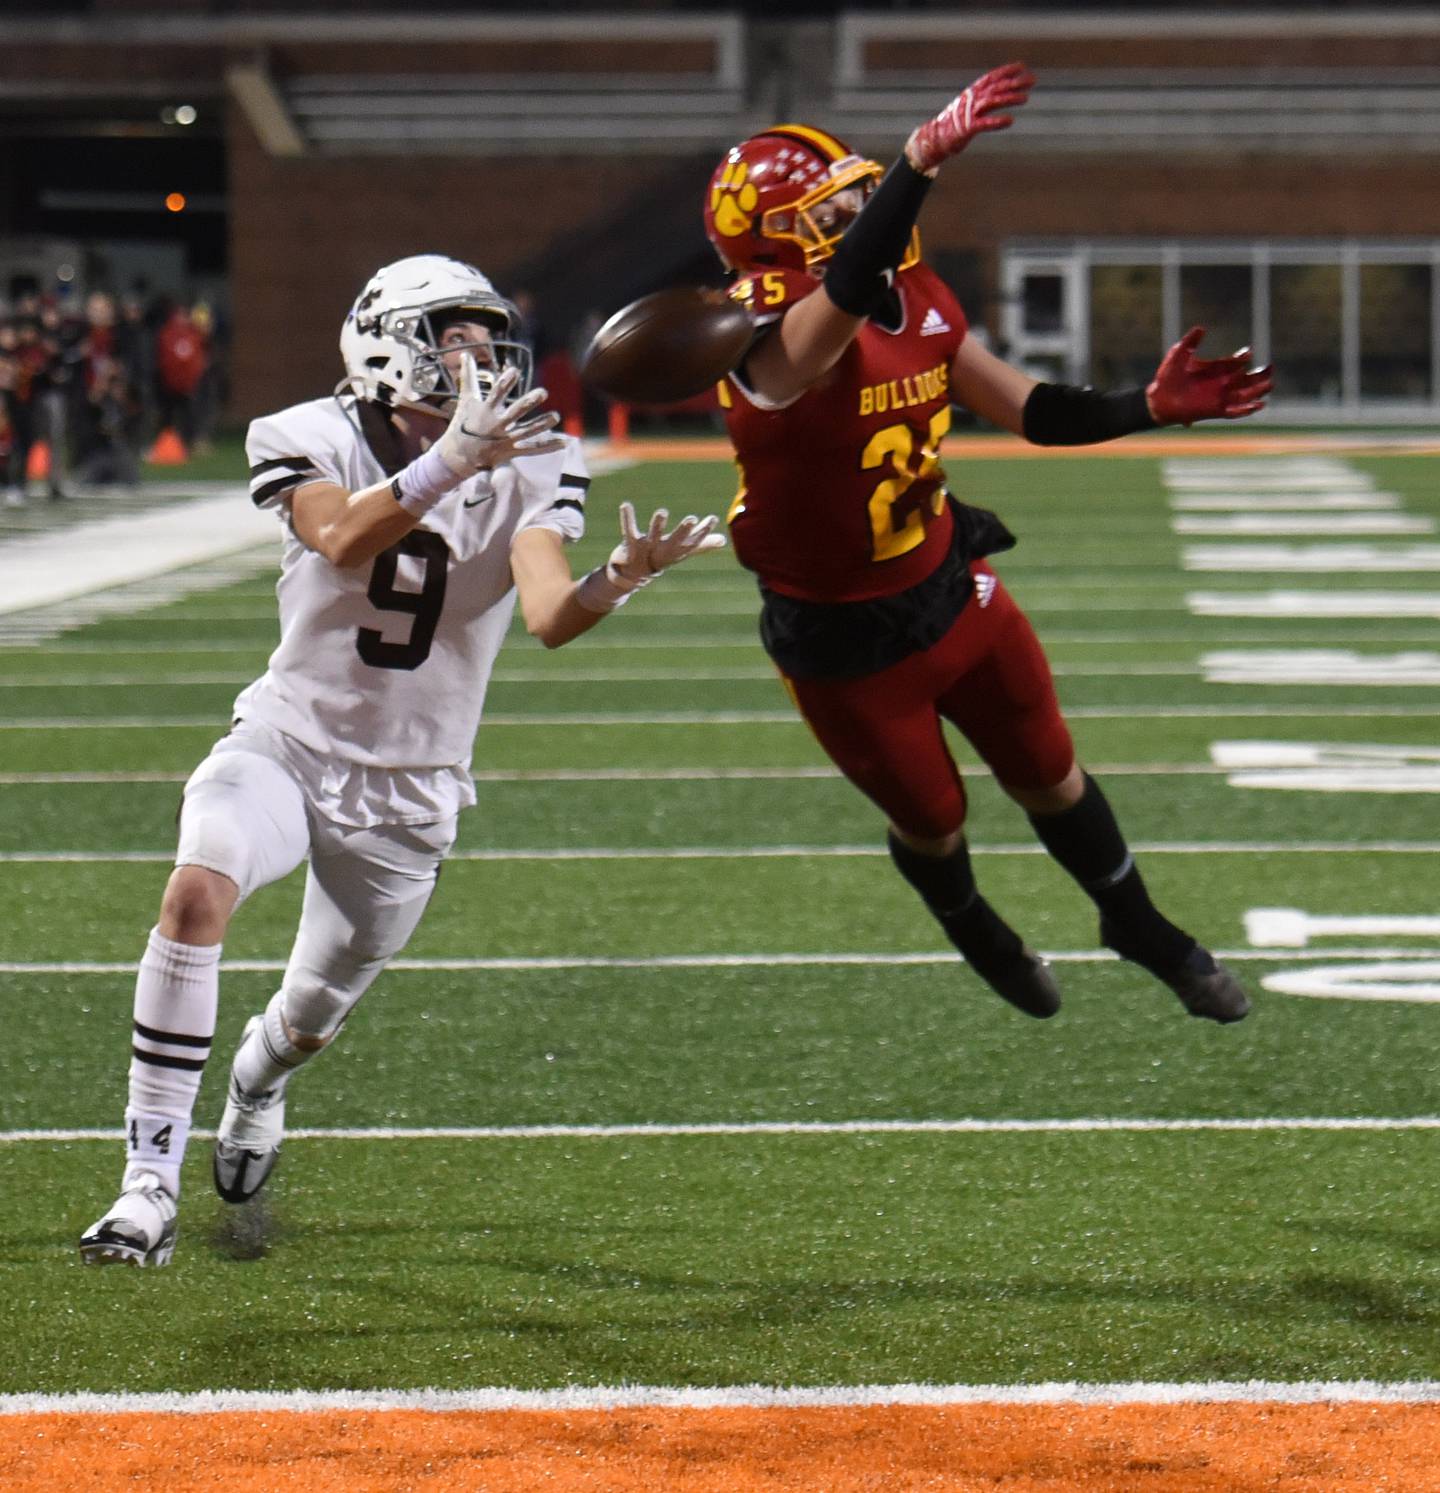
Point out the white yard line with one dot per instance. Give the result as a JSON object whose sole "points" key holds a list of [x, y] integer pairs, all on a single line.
{"points": [[742, 1396], [572, 676], [660, 1131], [556, 962], [518, 646], [782, 852], [562, 719], [627, 774]]}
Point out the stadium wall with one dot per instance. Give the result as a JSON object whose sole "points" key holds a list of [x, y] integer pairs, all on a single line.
{"points": [[307, 233]]}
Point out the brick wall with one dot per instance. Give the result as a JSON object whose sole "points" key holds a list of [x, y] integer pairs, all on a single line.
{"points": [[306, 234]]}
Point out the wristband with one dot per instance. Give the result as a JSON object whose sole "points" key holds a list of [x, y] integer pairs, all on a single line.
{"points": [[420, 486], [1067, 415], [605, 588], [598, 592]]}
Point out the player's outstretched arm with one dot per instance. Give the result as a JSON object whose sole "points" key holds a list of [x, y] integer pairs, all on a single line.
{"points": [[557, 608], [351, 528], [1185, 389], [814, 333]]}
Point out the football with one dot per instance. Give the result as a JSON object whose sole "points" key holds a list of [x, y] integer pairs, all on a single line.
{"points": [[667, 346]]}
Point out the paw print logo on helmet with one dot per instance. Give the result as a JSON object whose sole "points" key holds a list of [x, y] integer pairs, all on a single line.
{"points": [[782, 199], [733, 199]]}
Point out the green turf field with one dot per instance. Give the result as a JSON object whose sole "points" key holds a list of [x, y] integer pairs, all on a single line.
{"points": [[669, 967]]}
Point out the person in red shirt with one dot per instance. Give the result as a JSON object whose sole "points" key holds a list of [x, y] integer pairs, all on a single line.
{"points": [[879, 607], [182, 358]]}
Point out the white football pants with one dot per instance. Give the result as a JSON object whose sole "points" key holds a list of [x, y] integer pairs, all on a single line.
{"points": [[249, 818]]}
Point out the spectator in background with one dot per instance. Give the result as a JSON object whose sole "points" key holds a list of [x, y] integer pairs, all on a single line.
{"points": [[206, 403], [55, 389], [111, 453], [9, 378], [134, 345], [28, 362], [181, 358]]}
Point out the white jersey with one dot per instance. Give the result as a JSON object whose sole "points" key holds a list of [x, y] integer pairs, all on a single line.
{"points": [[384, 666]]}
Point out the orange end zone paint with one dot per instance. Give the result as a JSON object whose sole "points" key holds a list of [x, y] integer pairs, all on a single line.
{"points": [[1187, 1448]]}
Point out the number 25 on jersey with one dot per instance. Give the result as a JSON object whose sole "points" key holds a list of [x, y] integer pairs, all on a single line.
{"points": [[897, 516]]}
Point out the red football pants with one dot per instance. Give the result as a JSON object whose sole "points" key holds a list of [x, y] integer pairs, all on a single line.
{"points": [[988, 676]]}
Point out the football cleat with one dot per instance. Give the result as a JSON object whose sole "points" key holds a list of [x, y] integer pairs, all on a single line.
{"points": [[247, 1144], [139, 1230], [1024, 979], [992, 948], [1205, 987]]}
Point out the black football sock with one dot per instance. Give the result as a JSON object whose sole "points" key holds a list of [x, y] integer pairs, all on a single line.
{"points": [[946, 885], [1088, 843]]}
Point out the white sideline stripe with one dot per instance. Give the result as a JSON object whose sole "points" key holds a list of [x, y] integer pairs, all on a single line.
{"points": [[1098, 1126], [27, 630], [523, 965], [41, 569], [757, 717], [730, 1397], [785, 852]]}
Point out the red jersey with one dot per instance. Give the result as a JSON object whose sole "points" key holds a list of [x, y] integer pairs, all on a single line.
{"points": [[842, 497]]}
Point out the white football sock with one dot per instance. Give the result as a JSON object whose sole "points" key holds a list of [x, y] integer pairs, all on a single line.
{"points": [[267, 1057], [177, 991]]}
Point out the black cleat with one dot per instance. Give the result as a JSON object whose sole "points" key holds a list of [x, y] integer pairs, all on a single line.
{"points": [[1023, 979], [1205, 987]]}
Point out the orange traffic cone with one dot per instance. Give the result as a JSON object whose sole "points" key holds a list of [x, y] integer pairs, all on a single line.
{"points": [[37, 465], [619, 422], [168, 450]]}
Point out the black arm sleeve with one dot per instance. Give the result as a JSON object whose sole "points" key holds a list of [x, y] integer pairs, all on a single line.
{"points": [[1067, 415], [876, 241]]}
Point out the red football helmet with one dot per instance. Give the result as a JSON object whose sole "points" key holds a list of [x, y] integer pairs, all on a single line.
{"points": [[781, 199]]}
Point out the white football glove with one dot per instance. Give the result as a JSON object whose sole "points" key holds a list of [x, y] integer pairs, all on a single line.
{"points": [[639, 558], [484, 431]]}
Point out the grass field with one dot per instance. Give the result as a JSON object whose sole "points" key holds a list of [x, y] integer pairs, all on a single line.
{"points": [[677, 1084]]}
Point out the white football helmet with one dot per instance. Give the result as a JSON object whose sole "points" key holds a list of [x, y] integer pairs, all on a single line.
{"points": [[390, 338]]}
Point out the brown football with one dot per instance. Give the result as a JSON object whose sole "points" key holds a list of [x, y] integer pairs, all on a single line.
{"points": [[667, 346]]}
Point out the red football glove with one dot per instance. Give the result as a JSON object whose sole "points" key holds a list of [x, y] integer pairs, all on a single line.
{"points": [[971, 114], [1186, 388]]}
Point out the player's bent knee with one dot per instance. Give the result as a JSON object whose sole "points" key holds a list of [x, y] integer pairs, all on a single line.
{"points": [[1054, 799], [313, 1014], [197, 905]]}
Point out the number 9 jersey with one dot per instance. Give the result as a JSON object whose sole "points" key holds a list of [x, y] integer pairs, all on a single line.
{"points": [[842, 497], [386, 664]]}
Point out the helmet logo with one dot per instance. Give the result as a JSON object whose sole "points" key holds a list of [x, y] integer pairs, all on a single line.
{"points": [[733, 199]]}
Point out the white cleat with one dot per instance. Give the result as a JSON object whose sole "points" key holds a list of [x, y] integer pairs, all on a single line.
{"points": [[139, 1230], [247, 1144]]}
